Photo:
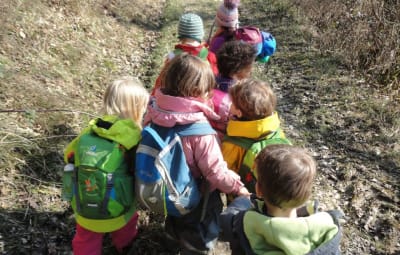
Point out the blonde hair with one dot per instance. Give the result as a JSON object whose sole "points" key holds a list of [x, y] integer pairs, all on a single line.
{"points": [[254, 98], [127, 98], [188, 76]]}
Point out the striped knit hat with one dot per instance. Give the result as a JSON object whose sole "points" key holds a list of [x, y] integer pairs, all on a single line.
{"points": [[191, 26], [227, 14]]}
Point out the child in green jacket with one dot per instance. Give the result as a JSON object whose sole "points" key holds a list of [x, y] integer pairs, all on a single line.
{"points": [[271, 224], [125, 102]]}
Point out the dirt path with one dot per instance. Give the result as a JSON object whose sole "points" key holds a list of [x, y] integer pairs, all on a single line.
{"points": [[327, 109], [331, 111]]}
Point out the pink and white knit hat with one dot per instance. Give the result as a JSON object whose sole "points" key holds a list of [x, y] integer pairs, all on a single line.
{"points": [[227, 14]]}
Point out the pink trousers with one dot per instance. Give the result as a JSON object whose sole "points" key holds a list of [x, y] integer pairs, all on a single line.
{"points": [[87, 242]]}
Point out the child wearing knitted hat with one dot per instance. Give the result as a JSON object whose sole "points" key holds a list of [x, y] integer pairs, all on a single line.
{"points": [[190, 35], [227, 21]]}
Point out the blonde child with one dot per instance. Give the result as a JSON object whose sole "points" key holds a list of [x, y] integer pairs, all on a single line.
{"points": [[270, 224], [125, 101], [190, 35], [183, 100], [254, 121]]}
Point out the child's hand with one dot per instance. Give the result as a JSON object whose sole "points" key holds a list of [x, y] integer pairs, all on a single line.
{"points": [[244, 192]]}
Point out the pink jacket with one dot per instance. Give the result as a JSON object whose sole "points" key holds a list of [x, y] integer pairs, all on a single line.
{"points": [[203, 153], [222, 104]]}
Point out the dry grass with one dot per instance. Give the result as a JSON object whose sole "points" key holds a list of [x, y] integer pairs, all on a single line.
{"points": [[56, 57], [366, 34]]}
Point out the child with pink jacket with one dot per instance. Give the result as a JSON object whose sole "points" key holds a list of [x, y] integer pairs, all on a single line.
{"points": [[183, 100]]}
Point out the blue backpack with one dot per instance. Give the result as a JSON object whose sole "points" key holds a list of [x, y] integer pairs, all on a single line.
{"points": [[264, 42], [268, 47], [164, 183]]}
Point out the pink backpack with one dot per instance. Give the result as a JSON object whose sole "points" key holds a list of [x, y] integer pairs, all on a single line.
{"points": [[263, 41], [250, 34]]}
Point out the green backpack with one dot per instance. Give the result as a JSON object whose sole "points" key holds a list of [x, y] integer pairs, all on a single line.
{"points": [[103, 186], [253, 147]]}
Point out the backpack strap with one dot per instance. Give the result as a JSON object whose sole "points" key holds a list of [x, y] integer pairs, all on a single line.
{"points": [[76, 191], [253, 147], [211, 32], [203, 53], [109, 186], [196, 128], [243, 142], [246, 143]]}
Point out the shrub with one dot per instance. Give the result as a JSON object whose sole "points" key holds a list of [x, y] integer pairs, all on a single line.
{"points": [[366, 34]]}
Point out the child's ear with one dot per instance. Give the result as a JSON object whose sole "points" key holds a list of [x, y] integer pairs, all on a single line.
{"points": [[235, 111], [239, 113], [258, 190]]}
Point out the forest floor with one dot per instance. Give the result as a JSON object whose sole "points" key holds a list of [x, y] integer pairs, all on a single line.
{"points": [[56, 58]]}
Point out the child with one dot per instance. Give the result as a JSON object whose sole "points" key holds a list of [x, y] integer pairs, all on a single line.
{"points": [[183, 100], [125, 102], [254, 119], [227, 21], [270, 224], [190, 35], [235, 61]]}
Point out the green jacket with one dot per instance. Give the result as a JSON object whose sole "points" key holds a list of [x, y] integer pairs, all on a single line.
{"points": [[246, 224], [126, 133]]}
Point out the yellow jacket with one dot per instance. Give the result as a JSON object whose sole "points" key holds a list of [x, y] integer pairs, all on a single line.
{"points": [[233, 154]]}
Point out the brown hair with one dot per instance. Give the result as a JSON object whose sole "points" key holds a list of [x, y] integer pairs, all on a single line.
{"points": [[285, 175], [188, 76], [127, 98], [235, 56], [254, 98]]}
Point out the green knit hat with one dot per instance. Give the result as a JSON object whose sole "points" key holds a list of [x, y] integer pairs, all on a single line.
{"points": [[191, 26]]}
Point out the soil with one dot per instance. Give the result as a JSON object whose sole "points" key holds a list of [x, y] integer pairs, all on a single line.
{"points": [[324, 107]]}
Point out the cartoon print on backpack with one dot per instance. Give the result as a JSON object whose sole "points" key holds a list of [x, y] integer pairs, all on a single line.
{"points": [[101, 179]]}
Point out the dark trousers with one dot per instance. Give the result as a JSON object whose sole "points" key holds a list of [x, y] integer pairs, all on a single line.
{"points": [[194, 232]]}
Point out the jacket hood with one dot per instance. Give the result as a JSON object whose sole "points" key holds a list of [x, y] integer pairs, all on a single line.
{"points": [[279, 235], [255, 128], [123, 131], [169, 111]]}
